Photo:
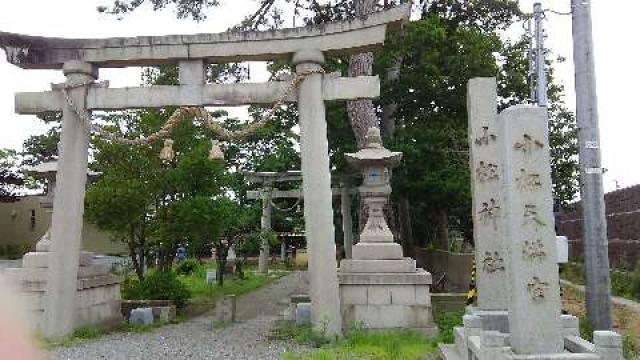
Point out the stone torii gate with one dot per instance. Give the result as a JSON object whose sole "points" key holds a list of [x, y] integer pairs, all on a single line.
{"points": [[267, 179], [80, 61], [268, 193]]}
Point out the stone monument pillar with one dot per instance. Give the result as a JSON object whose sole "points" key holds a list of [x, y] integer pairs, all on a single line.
{"points": [[379, 288], [316, 186], [265, 225], [514, 179], [534, 307], [487, 166]]}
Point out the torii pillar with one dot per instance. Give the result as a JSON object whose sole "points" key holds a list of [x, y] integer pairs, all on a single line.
{"points": [[316, 187], [265, 224], [68, 208]]}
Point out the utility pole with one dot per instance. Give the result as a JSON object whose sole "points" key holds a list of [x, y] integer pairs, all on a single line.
{"points": [[541, 75], [535, 56], [594, 225]]}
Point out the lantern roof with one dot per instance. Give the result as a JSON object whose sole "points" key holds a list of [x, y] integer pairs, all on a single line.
{"points": [[374, 153], [49, 169]]}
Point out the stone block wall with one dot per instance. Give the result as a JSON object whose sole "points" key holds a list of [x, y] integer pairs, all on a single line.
{"points": [[383, 306], [623, 227]]}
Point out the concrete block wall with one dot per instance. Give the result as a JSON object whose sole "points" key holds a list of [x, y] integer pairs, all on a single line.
{"points": [[456, 266]]}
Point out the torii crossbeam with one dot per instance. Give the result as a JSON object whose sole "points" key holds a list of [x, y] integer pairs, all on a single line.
{"points": [[81, 59]]}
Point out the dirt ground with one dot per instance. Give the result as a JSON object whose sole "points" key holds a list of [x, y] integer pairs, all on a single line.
{"points": [[626, 321]]}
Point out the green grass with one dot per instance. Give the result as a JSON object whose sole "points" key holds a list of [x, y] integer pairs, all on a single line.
{"points": [[370, 345], [92, 332], [208, 293], [362, 344], [80, 335], [625, 284]]}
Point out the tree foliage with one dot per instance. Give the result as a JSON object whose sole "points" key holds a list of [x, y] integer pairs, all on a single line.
{"points": [[451, 42], [184, 9], [10, 179]]}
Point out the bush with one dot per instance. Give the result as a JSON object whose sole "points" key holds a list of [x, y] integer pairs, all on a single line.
{"points": [[586, 330], [621, 283], [446, 321], [157, 286], [187, 267]]}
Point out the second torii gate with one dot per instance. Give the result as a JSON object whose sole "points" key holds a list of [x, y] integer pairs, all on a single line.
{"points": [[80, 61], [267, 179], [268, 193]]}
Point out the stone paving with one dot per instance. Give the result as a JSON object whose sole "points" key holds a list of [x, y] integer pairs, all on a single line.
{"points": [[257, 313]]}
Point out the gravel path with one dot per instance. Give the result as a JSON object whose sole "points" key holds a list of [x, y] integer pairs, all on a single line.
{"points": [[197, 339]]}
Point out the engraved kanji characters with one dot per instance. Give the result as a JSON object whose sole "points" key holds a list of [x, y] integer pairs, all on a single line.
{"points": [[487, 171], [492, 262], [528, 181], [531, 215], [489, 211], [486, 137], [528, 144], [537, 288], [533, 250]]}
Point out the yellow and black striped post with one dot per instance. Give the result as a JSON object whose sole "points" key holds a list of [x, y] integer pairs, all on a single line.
{"points": [[472, 294]]}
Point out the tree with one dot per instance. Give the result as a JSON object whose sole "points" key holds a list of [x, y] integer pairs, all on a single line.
{"points": [[431, 62], [10, 179], [184, 9], [235, 224]]}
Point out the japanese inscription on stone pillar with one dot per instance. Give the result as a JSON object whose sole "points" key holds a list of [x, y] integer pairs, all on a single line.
{"points": [[534, 307], [486, 163]]}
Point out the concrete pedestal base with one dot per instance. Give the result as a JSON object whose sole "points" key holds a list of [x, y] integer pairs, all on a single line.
{"points": [[386, 300], [97, 296], [485, 336]]}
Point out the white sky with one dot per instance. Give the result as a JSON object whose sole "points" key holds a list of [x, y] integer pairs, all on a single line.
{"points": [[616, 52]]}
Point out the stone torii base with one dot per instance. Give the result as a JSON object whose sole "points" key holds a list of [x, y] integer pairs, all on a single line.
{"points": [[97, 300]]}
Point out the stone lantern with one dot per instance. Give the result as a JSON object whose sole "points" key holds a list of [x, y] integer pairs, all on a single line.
{"points": [[379, 288], [375, 161], [47, 171]]}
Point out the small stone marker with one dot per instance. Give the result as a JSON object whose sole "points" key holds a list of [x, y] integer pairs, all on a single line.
{"points": [[534, 308], [141, 316], [487, 168], [562, 243], [212, 276], [164, 313], [226, 309], [294, 300], [303, 314]]}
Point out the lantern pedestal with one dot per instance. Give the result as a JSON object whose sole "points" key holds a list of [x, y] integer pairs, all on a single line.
{"points": [[379, 287]]}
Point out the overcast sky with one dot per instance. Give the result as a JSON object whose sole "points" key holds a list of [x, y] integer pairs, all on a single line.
{"points": [[616, 54]]}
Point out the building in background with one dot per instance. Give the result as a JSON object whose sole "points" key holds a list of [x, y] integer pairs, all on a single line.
{"points": [[24, 222]]}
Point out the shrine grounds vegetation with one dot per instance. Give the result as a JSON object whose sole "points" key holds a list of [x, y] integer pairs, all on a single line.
{"points": [[625, 284], [361, 344], [186, 286]]}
